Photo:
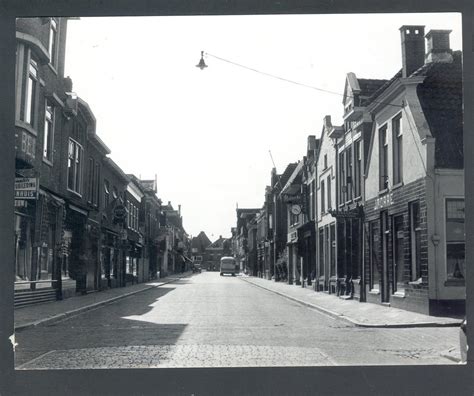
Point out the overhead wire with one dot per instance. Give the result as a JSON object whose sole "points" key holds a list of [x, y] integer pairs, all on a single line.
{"points": [[292, 81]]}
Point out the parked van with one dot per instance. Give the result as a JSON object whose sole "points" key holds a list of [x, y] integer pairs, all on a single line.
{"points": [[228, 266]]}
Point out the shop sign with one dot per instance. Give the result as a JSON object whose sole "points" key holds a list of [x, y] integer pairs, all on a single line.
{"points": [[26, 188], [384, 201], [120, 211], [20, 203], [348, 214]]}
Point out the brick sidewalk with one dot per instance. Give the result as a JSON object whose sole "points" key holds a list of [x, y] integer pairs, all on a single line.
{"points": [[53, 311], [360, 314]]}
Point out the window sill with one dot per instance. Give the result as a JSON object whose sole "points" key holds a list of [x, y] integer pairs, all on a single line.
{"points": [[384, 191], [359, 198], [398, 185], [374, 292], [455, 283], [53, 69], [47, 162], [75, 193], [27, 127], [399, 294]]}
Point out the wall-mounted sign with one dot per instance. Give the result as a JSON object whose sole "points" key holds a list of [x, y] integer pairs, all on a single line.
{"points": [[356, 213], [383, 201], [26, 188], [120, 212]]}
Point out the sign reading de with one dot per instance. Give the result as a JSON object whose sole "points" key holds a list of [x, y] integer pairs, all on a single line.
{"points": [[26, 188]]}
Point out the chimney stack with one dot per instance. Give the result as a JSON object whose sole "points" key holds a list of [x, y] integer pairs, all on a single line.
{"points": [[327, 122], [179, 210], [413, 48], [438, 46]]}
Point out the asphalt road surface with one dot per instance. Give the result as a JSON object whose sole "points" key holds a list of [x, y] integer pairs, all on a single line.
{"points": [[211, 321]]}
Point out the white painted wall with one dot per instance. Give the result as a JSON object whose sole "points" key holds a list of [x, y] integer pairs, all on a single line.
{"points": [[414, 151]]}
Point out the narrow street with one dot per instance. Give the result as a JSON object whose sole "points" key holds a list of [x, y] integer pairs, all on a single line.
{"points": [[211, 321]]}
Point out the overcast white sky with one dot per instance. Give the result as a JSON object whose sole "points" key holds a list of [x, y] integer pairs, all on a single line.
{"points": [[207, 134]]}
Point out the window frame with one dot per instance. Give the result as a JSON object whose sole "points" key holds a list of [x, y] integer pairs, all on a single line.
{"points": [[53, 42], [48, 132], [76, 159], [455, 242], [397, 143], [31, 92], [383, 157]]}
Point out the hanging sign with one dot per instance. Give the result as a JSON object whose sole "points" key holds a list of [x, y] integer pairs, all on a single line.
{"points": [[26, 188]]}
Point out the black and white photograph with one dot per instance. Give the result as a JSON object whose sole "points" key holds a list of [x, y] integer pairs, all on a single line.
{"points": [[235, 191]]}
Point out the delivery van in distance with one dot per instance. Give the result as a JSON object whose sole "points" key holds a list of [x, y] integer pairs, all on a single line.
{"points": [[228, 266]]}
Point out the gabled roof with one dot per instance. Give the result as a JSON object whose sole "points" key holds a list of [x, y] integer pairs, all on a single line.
{"points": [[201, 241], [364, 87], [218, 243], [441, 98]]}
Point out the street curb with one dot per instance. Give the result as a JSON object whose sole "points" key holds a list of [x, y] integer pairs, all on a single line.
{"points": [[354, 322], [86, 308]]}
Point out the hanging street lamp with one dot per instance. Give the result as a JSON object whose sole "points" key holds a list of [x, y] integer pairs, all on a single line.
{"points": [[201, 63]]}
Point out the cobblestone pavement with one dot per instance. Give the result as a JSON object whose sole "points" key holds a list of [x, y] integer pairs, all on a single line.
{"points": [[212, 321]]}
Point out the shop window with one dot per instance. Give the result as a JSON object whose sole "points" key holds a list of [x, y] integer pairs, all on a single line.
{"points": [[455, 239], [399, 258], [321, 252], [332, 242], [415, 240], [374, 244]]}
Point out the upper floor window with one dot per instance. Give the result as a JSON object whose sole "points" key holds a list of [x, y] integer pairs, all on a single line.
{"points": [[397, 150], [383, 158], [106, 193], [342, 178], [30, 93], [53, 42], [357, 169], [325, 161], [349, 174], [323, 194], [48, 132], [74, 166], [329, 192], [115, 192]]}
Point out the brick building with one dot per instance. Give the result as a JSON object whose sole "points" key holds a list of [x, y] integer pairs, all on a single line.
{"points": [[414, 194]]}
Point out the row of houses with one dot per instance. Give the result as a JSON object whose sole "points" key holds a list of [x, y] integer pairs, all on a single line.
{"points": [[374, 210], [81, 223]]}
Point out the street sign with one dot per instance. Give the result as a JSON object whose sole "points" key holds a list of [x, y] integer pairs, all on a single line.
{"points": [[26, 188]]}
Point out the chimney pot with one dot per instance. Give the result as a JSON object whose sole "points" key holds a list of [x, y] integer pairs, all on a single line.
{"points": [[413, 48]]}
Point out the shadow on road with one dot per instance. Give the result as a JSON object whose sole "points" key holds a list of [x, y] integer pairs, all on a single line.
{"points": [[108, 326]]}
